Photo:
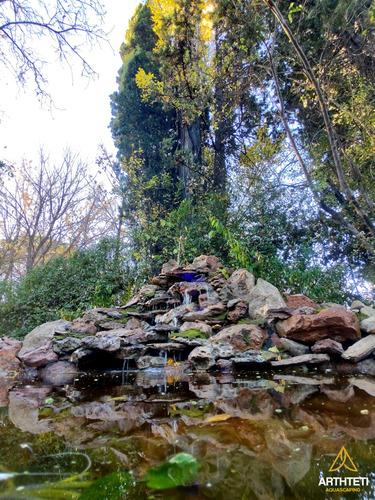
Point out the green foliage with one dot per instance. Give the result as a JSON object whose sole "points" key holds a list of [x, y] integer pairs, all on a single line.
{"points": [[111, 487], [192, 333], [179, 470], [65, 287]]}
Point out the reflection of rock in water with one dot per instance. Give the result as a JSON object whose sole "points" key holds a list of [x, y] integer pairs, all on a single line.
{"points": [[24, 409]]}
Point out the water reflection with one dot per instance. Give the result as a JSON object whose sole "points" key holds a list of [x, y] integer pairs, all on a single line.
{"points": [[262, 438]]}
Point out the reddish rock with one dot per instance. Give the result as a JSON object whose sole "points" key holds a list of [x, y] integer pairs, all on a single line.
{"points": [[335, 323], [83, 326], [9, 364], [239, 312], [327, 346], [299, 300], [242, 337], [11, 345], [205, 263], [41, 356]]}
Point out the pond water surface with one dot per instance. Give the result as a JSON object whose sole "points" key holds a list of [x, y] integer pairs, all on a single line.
{"points": [[264, 436]]}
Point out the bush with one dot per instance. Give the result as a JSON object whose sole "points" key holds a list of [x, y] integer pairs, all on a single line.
{"points": [[65, 287]]}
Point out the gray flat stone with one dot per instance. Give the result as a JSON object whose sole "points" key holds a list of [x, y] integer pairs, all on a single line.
{"points": [[301, 360], [360, 350]]}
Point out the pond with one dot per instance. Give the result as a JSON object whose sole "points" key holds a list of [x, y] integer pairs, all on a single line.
{"points": [[173, 435]]}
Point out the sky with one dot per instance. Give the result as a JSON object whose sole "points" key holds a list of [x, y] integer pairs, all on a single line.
{"points": [[80, 115]]}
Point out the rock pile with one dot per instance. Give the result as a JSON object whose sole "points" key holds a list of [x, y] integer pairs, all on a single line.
{"points": [[204, 316]]}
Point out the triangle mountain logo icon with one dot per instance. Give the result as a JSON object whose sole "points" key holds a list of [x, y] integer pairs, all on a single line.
{"points": [[343, 460]]}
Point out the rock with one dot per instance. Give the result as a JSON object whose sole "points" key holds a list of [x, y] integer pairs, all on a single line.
{"points": [[224, 365], [59, 373], [240, 284], [146, 292], [202, 358], [199, 325], [169, 266], [80, 355], [105, 343], [302, 360], [299, 300], [11, 345], [191, 289], [66, 345], [222, 350], [41, 333], [9, 364], [360, 350], [263, 297], [356, 305], [41, 356], [294, 348], [326, 305], [238, 313], [128, 337], [131, 352], [208, 299], [99, 314], [167, 346], [112, 325], [24, 409], [368, 311], [150, 362], [253, 357], [175, 314], [367, 366], [339, 395], [84, 326], [335, 323], [365, 384], [232, 303], [276, 341], [242, 337], [368, 325], [205, 263], [327, 346], [190, 342], [280, 313], [305, 310], [210, 312]]}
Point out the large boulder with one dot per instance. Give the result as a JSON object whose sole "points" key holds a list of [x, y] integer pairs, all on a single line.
{"points": [[41, 333], [241, 337], [240, 284], [263, 297], [335, 323], [368, 325]]}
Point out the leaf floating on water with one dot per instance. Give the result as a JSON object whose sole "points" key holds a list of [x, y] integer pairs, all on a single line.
{"points": [[218, 418], [364, 412], [170, 362], [179, 470], [111, 487]]}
